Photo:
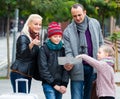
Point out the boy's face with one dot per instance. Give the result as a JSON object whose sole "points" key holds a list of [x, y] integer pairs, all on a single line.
{"points": [[56, 38], [101, 54]]}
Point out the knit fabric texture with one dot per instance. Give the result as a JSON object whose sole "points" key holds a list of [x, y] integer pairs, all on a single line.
{"points": [[54, 28], [53, 46]]}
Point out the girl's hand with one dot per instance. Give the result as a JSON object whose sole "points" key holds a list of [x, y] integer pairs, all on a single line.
{"points": [[79, 56]]}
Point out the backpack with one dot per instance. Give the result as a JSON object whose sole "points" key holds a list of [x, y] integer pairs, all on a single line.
{"points": [[36, 75]]}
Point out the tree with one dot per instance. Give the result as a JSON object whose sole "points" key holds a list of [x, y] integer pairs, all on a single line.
{"points": [[57, 10], [106, 8], [100, 9], [114, 38], [7, 5], [7, 11]]}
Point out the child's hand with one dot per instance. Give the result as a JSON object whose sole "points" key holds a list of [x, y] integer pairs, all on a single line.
{"points": [[57, 87], [78, 56], [62, 89], [68, 66]]}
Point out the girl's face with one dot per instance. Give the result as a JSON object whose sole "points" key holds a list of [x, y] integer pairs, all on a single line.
{"points": [[35, 25], [101, 54], [56, 38]]}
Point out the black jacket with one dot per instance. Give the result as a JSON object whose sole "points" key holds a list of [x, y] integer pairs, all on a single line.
{"points": [[50, 72], [26, 59]]}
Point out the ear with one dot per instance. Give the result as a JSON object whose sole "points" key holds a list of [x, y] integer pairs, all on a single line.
{"points": [[84, 12], [29, 24], [106, 54]]}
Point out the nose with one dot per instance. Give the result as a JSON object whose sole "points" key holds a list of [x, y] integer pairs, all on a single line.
{"points": [[59, 38], [39, 26], [77, 17]]}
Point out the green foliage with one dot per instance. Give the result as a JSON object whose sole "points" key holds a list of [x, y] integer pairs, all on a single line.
{"points": [[1, 78], [54, 10], [6, 7], [58, 10], [115, 36]]}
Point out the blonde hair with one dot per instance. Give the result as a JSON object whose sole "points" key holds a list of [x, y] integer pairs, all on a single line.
{"points": [[108, 49], [25, 29]]}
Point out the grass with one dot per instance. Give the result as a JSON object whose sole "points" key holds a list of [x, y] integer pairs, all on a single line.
{"points": [[3, 78]]}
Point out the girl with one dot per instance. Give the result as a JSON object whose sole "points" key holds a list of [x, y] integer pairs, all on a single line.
{"points": [[105, 72]]}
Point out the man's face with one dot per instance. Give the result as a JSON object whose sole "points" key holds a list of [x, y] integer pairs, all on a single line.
{"points": [[78, 14]]}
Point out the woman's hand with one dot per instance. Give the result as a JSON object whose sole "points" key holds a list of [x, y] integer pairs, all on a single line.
{"points": [[36, 41]]}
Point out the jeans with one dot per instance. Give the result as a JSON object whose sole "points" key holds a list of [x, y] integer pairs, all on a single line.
{"points": [[50, 92], [22, 84], [82, 89]]}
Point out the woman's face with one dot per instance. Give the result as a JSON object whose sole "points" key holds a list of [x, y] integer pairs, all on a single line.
{"points": [[35, 25], [56, 38]]}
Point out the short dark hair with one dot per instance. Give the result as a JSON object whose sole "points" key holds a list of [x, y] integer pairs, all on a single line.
{"points": [[78, 5]]}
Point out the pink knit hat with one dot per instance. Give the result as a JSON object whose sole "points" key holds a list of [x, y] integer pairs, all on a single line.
{"points": [[54, 28]]}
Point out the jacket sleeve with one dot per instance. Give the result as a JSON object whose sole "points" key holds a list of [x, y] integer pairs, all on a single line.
{"points": [[65, 78], [99, 65], [23, 46], [43, 67], [66, 39]]}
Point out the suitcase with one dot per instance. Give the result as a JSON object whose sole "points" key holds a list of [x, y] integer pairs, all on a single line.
{"points": [[18, 95]]}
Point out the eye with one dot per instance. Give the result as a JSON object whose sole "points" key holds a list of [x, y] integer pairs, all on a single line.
{"points": [[79, 15], [40, 24], [74, 16]]}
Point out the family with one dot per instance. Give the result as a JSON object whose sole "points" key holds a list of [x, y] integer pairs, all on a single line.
{"points": [[82, 38]]}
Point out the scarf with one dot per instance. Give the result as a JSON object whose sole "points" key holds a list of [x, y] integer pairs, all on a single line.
{"points": [[53, 46], [34, 35], [109, 60], [81, 28]]}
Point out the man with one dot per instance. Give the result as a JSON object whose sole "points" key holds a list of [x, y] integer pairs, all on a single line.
{"points": [[82, 35]]}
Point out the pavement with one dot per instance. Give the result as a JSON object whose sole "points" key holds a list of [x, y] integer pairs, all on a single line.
{"points": [[36, 88], [5, 84]]}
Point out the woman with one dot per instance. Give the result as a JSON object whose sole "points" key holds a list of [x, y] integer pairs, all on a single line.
{"points": [[27, 48]]}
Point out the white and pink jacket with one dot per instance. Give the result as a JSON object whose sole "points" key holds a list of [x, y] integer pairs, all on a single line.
{"points": [[105, 75]]}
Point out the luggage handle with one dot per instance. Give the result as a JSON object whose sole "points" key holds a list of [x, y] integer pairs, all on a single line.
{"points": [[21, 79]]}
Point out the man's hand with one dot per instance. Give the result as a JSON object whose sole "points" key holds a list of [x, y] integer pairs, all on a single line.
{"points": [[68, 66]]}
